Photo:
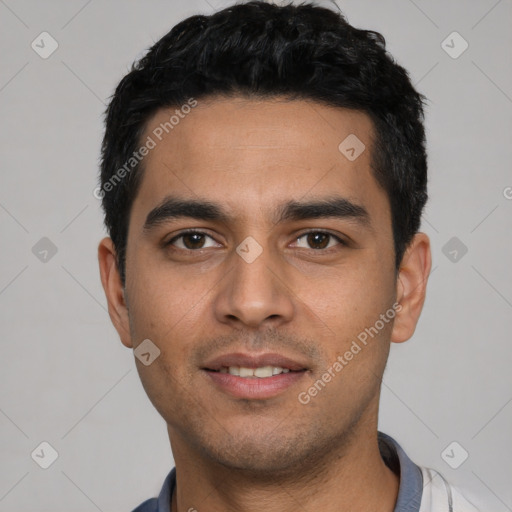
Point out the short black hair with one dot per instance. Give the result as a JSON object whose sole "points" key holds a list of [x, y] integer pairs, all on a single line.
{"points": [[262, 50]]}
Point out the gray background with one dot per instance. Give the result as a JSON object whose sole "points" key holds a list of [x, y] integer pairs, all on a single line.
{"points": [[65, 377]]}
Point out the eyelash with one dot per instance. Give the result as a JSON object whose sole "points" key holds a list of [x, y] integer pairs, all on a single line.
{"points": [[193, 231]]}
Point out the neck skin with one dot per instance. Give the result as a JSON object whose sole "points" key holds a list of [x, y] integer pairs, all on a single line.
{"points": [[350, 477]]}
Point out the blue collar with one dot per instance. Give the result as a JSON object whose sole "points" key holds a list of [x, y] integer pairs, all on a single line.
{"points": [[411, 477], [409, 493]]}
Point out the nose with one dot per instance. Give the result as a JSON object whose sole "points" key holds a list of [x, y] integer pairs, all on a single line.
{"points": [[254, 293]]}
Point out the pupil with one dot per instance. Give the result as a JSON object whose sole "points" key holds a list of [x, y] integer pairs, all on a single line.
{"points": [[197, 243], [318, 239]]}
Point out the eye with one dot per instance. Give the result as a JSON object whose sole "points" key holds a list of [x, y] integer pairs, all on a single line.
{"points": [[318, 240], [192, 240]]}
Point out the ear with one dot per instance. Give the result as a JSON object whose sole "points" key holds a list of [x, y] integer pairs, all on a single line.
{"points": [[111, 281], [411, 287]]}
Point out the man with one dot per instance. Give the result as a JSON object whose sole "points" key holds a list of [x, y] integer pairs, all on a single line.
{"points": [[263, 178]]}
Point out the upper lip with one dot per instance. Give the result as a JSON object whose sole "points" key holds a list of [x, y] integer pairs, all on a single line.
{"points": [[253, 361]]}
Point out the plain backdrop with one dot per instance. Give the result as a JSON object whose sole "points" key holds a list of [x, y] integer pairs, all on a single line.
{"points": [[65, 377]]}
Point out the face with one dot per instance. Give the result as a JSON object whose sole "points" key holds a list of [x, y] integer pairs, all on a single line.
{"points": [[254, 242]]}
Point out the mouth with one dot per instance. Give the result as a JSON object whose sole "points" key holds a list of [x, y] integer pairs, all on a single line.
{"points": [[254, 377], [262, 372]]}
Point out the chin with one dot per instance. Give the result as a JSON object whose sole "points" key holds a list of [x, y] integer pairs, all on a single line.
{"points": [[265, 456]]}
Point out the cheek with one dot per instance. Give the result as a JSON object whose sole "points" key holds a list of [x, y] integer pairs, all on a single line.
{"points": [[351, 303], [350, 296], [168, 312], [162, 299]]}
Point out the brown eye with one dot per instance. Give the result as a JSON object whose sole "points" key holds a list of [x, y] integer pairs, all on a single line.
{"points": [[318, 240], [192, 240]]}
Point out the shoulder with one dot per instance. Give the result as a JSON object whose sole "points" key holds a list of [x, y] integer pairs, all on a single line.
{"points": [[440, 496]]}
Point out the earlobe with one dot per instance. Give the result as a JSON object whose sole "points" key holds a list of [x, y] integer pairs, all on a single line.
{"points": [[411, 287], [111, 281]]}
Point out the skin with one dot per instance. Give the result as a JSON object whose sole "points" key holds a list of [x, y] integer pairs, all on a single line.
{"points": [[297, 298]]}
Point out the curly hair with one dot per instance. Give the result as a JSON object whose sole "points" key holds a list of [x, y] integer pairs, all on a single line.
{"points": [[261, 50]]}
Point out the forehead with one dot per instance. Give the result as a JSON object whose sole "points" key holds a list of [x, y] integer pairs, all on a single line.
{"points": [[251, 155]]}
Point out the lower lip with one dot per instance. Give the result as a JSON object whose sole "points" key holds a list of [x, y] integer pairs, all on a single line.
{"points": [[254, 387]]}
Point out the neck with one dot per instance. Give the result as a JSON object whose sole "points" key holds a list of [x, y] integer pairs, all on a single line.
{"points": [[351, 476]]}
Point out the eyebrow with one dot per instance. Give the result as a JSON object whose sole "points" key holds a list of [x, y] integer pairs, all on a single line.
{"points": [[331, 207]]}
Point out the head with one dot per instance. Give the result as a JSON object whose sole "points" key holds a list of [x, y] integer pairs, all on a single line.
{"points": [[293, 145]]}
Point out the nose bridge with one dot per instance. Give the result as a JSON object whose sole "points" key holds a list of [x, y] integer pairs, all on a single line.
{"points": [[253, 292], [251, 270]]}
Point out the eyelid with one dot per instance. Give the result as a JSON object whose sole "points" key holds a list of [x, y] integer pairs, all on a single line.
{"points": [[338, 238], [185, 232]]}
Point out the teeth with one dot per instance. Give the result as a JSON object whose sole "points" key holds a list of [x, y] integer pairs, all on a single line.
{"points": [[246, 372], [264, 371], [261, 372]]}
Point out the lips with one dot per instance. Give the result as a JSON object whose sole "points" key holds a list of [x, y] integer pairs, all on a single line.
{"points": [[254, 361], [250, 376]]}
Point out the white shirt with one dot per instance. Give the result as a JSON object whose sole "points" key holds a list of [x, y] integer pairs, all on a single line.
{"points": [[439, 496]]}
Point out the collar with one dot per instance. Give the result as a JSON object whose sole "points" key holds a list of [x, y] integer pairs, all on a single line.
{"points": [[411, 478]]}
